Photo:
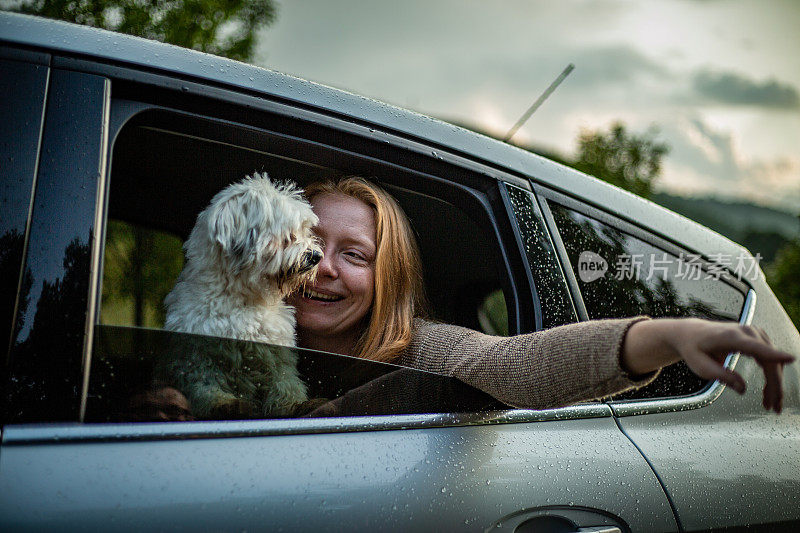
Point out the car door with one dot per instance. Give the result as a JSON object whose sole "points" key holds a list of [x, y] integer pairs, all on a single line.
{"points": [[723, 460], [64, 465]]}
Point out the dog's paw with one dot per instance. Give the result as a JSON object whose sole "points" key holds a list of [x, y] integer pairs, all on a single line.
{"points": [[284, 394], [232, 408]]}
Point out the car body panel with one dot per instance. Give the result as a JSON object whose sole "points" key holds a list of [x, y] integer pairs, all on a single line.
{"points": [[458, 478], [727, 464]]}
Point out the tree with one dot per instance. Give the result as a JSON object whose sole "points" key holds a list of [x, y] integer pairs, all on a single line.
{"points": [[629, 161], [140, 268], [782, 276], [222, 27]]}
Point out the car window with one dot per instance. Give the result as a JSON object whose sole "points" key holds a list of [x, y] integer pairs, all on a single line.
{"points": [[165, 169], [22, 92], [551, 289], [133, 379], [621, 275]]}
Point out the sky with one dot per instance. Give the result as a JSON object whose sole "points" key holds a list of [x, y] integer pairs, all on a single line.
{"points": [[716, 80]]}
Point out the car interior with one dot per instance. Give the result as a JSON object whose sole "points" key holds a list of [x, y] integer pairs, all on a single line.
{"points": [[166, 167], [164, 171]]}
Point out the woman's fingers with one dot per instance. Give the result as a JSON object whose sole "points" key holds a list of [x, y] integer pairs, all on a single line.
{"points": [[754, 346], [708, 368], [773, 390], [752, 342], [704, 345]]}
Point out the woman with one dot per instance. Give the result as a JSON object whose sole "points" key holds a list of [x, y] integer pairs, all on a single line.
{"points": [[366, 302]]}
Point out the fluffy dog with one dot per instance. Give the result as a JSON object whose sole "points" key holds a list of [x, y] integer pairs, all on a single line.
{"points": [[250, 248]]}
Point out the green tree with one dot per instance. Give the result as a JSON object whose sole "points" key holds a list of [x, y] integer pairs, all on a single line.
{"points": [[222, 27], [140, 268], [624, 159], [782, 277]]}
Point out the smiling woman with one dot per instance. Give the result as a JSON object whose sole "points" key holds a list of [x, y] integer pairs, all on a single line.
{"points": [[368, 243]]}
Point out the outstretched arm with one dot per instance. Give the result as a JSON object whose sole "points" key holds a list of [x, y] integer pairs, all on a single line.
{"points": [[703, 345]]}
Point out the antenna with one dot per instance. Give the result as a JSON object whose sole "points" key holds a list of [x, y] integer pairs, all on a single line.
{"points": [[539, 101]]}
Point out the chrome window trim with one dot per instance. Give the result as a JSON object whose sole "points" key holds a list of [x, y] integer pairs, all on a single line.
{"points": [[97, 249], [77, 432], [695, 401]]}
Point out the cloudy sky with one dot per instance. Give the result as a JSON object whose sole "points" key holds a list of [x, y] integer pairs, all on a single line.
{"points": [[720, 79]]}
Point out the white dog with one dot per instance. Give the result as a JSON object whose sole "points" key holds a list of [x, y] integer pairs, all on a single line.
{"points": [[250, 248]]}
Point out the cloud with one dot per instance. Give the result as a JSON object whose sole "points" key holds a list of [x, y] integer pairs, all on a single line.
{"points": [[616, 64], [732, 88], [711, 154], [608, 66], [706, 160]]}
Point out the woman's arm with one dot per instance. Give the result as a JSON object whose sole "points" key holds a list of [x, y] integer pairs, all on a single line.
{"points": [[541, 370], [703, 346], [592, 359]]}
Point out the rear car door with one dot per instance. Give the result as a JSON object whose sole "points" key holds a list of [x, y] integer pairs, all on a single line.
{"points": [[66, 463]]}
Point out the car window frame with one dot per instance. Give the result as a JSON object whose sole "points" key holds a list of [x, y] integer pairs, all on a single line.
{"points": [[453, 161]]}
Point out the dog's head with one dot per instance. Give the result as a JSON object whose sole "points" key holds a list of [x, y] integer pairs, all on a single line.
{"points": [[261, 233]]}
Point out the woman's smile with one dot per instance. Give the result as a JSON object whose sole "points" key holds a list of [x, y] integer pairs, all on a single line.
{"points": [[322, 297]]}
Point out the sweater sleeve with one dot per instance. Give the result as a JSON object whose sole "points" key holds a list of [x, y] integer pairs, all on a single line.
{"points": [[541, 370]]}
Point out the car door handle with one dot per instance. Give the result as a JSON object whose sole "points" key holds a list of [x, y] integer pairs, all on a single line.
{"points": [[559, 519], [559, 524]]}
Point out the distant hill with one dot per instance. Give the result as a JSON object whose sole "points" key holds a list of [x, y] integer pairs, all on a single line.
{"points": [[759, 229], [732, 219]]}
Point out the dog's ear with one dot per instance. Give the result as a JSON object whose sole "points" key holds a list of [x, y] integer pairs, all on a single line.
{"points": [[234, 225]]}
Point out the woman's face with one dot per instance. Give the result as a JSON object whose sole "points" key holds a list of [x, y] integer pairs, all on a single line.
{"points": [[334, 307]]}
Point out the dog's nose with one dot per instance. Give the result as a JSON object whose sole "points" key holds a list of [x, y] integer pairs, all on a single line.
{"points": [[312, 257]]}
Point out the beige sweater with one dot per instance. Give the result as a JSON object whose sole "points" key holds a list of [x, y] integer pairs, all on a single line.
{"points": [[545, 369]]}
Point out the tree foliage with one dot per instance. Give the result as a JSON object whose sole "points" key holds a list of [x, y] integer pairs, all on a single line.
{"points": [[624, 159], [782, 276], [222, 27], [140, 268]]}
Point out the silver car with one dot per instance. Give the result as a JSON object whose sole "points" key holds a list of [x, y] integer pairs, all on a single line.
{"points": [[111, 145]]}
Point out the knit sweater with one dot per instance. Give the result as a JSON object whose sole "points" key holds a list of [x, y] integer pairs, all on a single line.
{"points": [[540, 370]]}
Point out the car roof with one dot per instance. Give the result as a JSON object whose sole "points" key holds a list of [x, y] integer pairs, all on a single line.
{"points": [[72, 39]]}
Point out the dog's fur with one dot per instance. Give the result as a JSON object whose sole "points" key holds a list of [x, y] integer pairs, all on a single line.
{"points": [[250, 248]]}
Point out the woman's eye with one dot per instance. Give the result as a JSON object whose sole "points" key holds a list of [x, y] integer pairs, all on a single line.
{"points": [[355, 255]]}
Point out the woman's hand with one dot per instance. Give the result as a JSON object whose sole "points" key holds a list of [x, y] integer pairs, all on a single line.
{"points": [[704, 345]]}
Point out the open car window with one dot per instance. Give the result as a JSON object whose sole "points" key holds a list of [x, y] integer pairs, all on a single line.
{"points": [[166, 166]]}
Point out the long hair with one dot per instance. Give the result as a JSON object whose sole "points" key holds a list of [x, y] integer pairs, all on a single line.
{"points": [[399, 294]]}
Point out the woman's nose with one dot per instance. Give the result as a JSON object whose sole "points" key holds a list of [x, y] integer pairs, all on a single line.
{"points": [[326, 266]]}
